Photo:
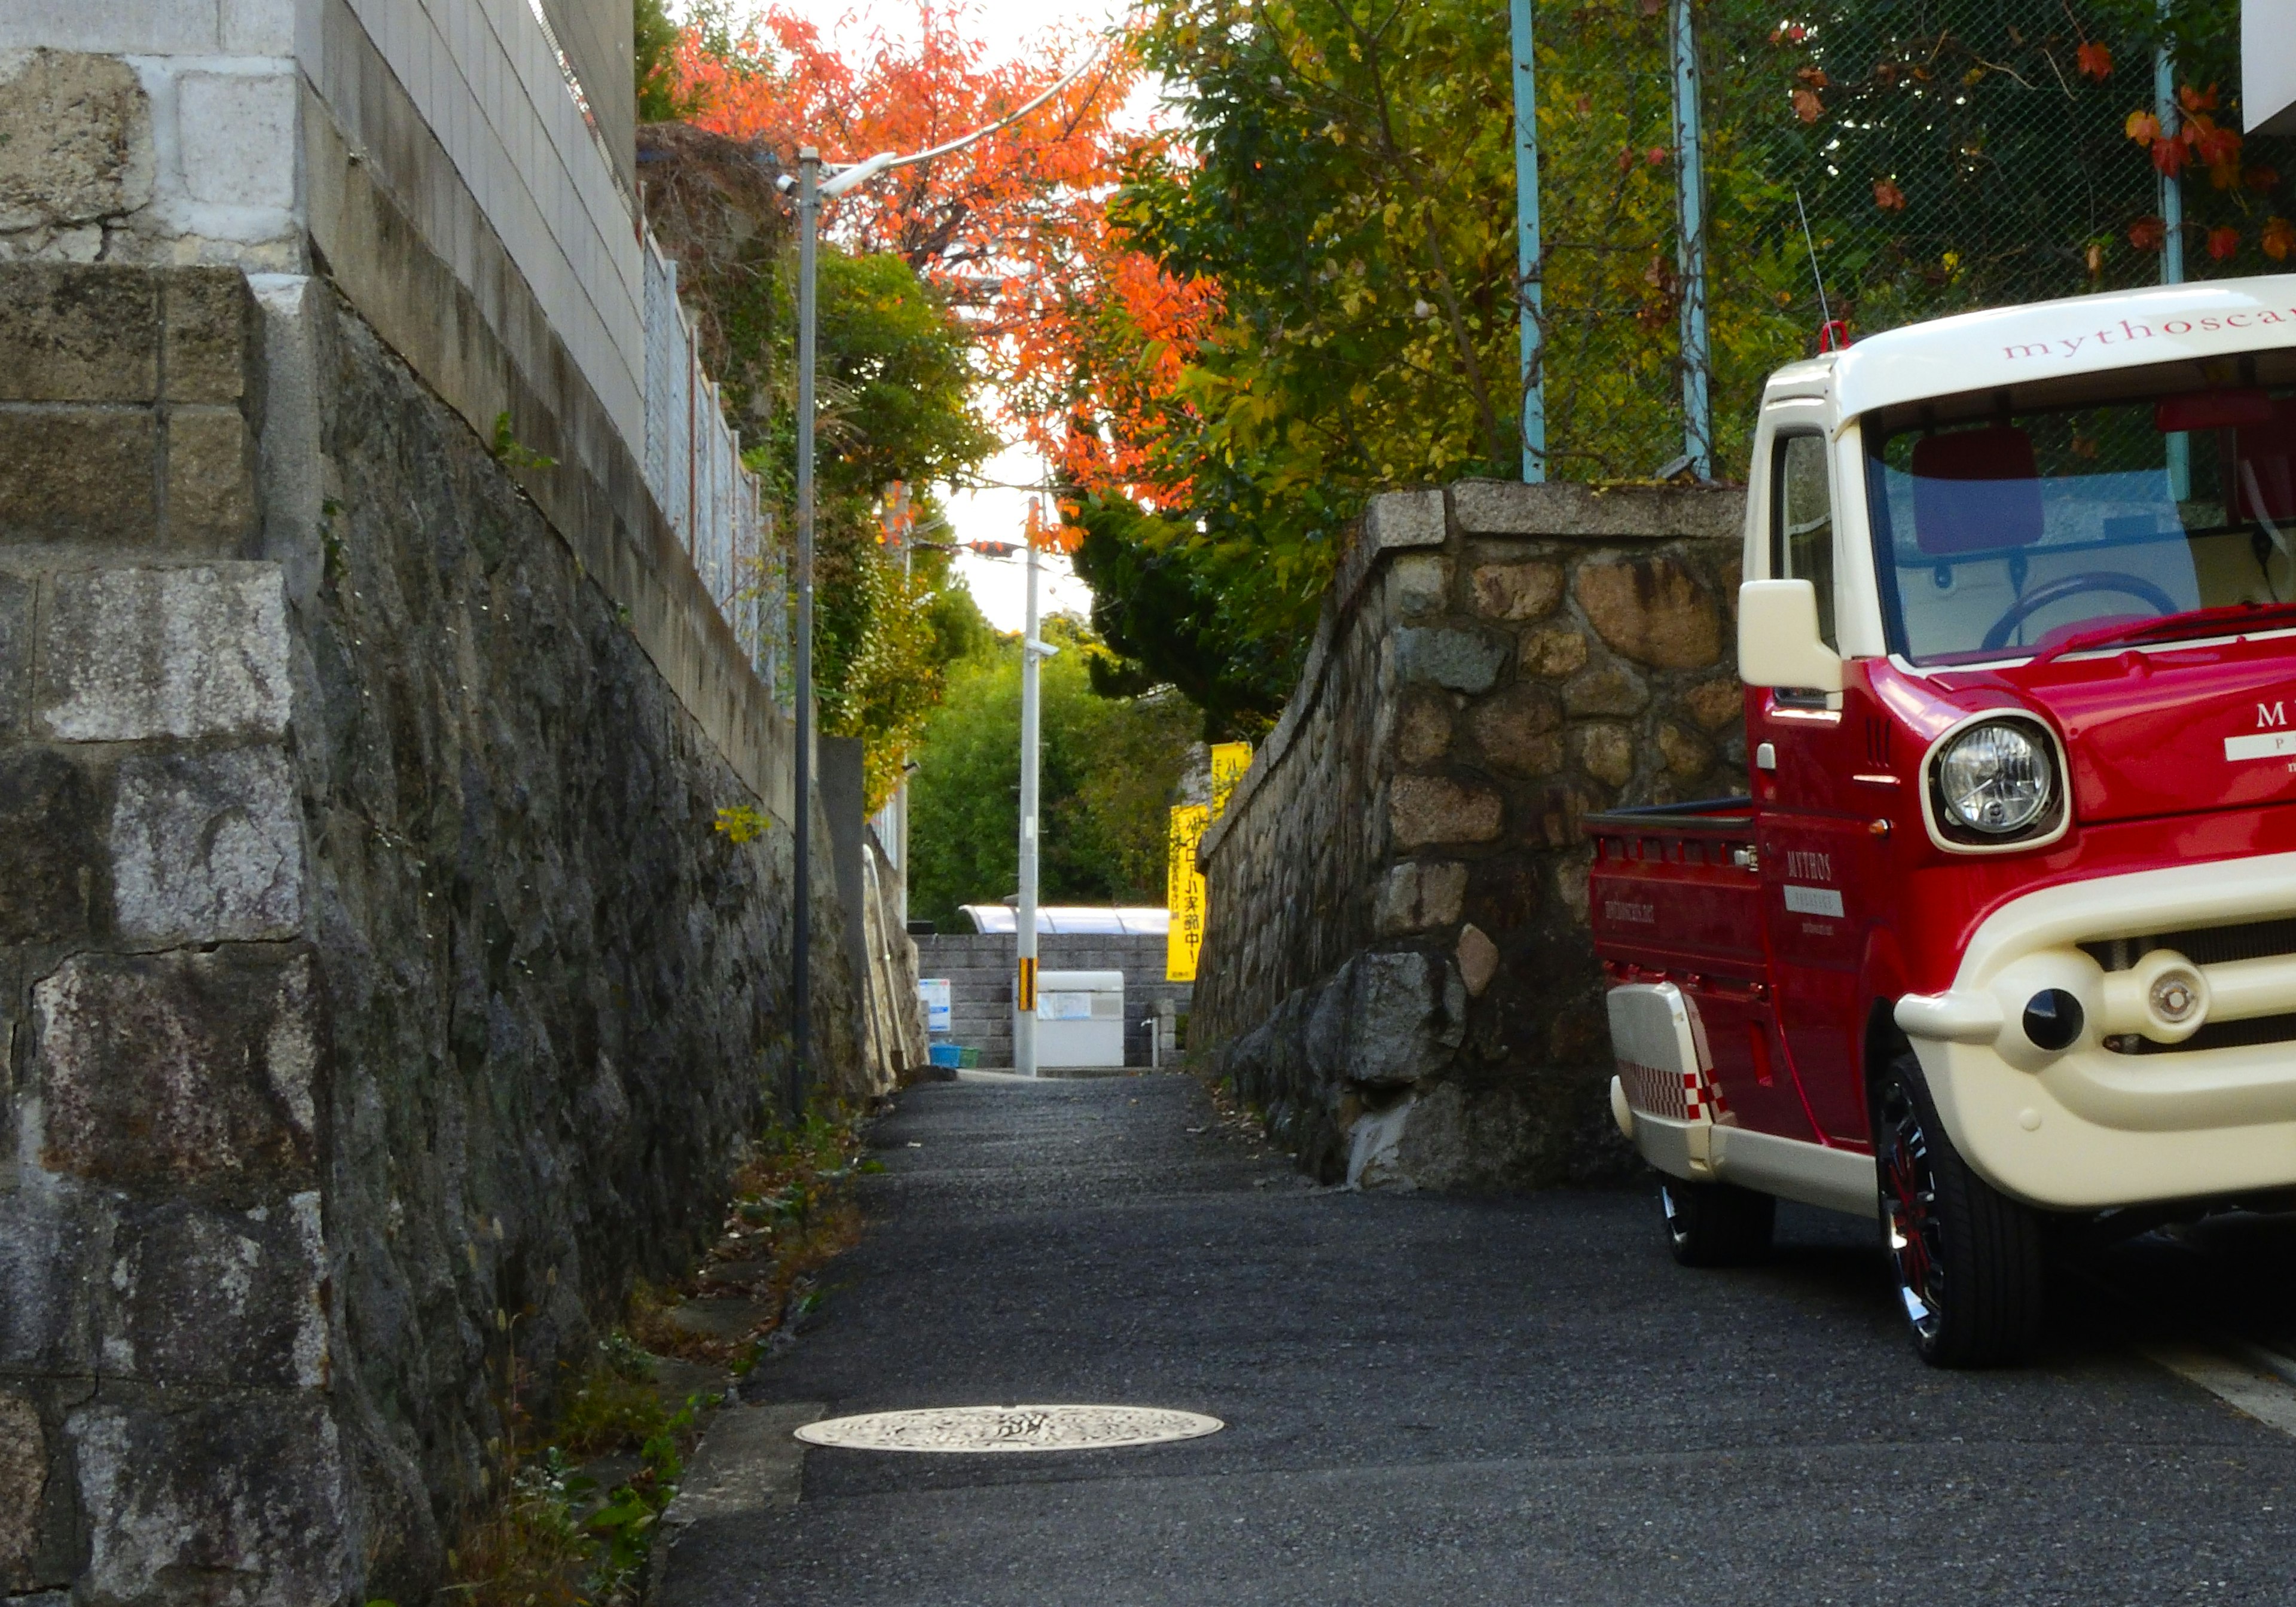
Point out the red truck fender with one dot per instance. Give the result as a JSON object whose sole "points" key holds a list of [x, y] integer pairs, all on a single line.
{"points": [[1882, 982]]}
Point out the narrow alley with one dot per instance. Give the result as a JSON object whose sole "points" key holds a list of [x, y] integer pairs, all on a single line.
{"points": [[1447, 1400]]}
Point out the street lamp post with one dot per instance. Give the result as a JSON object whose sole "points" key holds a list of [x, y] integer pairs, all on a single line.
{"points": [[809, 208]]}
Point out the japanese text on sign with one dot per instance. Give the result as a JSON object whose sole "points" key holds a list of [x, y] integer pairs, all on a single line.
{"points": [[1184, 893], [1230, 760]]}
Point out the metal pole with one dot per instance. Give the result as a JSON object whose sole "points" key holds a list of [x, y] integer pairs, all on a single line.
{"points": [[901, 793], [809, 206], [2172, 190], [1690, 193], [2172, 245], [1531, 309], [1024, 924]]}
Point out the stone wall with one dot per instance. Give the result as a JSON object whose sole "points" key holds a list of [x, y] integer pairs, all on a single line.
{"points": [[898, 1045], [1397, 966], [378, 997], [978, 967]]}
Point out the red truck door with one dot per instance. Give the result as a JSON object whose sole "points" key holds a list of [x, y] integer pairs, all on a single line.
{"points": [[1819, 857]]}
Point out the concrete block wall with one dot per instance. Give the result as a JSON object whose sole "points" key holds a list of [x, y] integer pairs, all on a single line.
{"points": [[979, 966], [429, 153], [214, 173], [149, 131], [1397, 966], [484, 81]]}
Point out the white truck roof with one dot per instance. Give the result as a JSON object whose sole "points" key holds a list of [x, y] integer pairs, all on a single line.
{"points": [[2049, 340]]}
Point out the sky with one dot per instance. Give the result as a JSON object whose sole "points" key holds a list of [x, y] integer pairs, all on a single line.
{"points": [[999, 586]]}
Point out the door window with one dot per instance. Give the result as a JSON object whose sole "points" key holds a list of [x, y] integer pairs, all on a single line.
{"points": [[1802, 526]]}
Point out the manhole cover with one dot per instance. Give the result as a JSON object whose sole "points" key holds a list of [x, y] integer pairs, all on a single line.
{"points": [[1009, 1429]]}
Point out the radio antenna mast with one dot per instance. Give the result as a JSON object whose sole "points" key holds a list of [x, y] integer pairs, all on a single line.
{"points": [[1810, 246], [1830, 335]]}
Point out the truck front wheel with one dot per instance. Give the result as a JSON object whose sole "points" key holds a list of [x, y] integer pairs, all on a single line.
{"points": [[1714, 1224], [1965, 1259]]}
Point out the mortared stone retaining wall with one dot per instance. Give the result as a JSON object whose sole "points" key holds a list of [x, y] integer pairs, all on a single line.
{"points": [[1396, 968], [378, 998]]}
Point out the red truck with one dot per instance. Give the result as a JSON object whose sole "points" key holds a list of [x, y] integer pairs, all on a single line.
{"points": [[2006, 935]]}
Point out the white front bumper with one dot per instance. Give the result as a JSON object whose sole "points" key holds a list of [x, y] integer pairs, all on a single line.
{"points": [[2087, 1128]]}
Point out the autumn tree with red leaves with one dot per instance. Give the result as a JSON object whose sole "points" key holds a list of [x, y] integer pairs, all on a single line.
{"points": [[1014, 229]]}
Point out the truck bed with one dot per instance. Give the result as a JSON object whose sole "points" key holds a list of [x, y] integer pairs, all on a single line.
{"points": [[1677, 887]]}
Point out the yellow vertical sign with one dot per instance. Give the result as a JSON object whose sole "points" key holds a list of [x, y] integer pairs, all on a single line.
{"points": [[1184, 893], [1230, 760]]}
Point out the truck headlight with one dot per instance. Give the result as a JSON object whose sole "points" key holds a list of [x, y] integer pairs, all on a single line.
{"points": [[1997, 777]]}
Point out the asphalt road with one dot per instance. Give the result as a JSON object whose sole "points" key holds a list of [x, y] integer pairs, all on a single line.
{"points": [[1436, 1400]]}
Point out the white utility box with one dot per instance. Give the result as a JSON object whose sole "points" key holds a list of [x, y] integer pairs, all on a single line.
{"points": [[1079, 1018]]}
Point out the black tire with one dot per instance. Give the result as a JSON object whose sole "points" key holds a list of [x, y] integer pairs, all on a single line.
{"points": [[1966, 1262], [1714, 1224]]}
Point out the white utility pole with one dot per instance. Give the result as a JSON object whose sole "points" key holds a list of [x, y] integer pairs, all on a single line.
{"points": [[1024, 925]]}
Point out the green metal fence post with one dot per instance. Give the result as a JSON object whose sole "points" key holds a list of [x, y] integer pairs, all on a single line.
{"points": [[1530, 299], [1690, 253], [2172, 244], [2172, 190]]}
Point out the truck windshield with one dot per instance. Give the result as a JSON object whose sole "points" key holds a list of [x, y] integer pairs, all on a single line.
{"points": [[2004, 537]]}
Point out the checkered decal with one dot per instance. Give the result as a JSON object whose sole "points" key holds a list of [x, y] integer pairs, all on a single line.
{"points": [[1681, 1096]]}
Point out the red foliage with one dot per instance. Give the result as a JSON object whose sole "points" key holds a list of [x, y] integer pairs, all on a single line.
{"points": [[1012, 229], [2261, 179], [2279, 238], [1888, 196], [1806, 106], [2095, 61], [2143, 127], [2148, 234], [2168, 156], [2224, 241], [2217, 147]]}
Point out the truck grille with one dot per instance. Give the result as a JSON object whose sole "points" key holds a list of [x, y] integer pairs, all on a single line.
{"points": [[2206, 946]]}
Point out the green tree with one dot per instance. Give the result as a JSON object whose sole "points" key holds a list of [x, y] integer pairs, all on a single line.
{"points": [[655, 35], [1336, 185], [896, 388], [1345, 180], [1110, 768]]}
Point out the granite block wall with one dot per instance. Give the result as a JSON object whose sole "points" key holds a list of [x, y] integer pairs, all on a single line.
{"points": [[378, 999], [1396, 967]]}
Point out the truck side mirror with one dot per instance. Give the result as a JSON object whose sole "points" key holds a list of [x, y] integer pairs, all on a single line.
{"points": [[1778, 643]]}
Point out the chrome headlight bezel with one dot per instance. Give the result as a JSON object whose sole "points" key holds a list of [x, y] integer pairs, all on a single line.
{"points": [[1949, 829]]}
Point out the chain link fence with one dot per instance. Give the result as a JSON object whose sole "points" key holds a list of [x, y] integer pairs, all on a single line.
{"points": [[1946, 157]]}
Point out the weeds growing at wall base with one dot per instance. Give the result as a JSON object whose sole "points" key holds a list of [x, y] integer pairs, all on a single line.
{"points": [[573, 1522]]}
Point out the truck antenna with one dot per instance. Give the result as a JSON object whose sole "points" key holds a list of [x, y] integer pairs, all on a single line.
{"points": [[1831, 336]]}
